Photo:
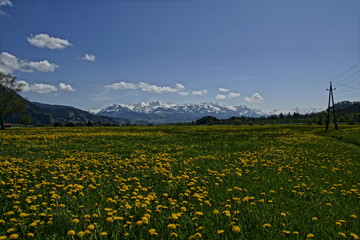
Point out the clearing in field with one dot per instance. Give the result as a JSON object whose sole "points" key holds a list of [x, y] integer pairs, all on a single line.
{"points": [[213, 182]]}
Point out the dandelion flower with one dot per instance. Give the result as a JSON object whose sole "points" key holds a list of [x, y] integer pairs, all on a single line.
{"points": [[71, 233], [342, 234], [153, 232], [81, 234], [354, 236], [236, 229], [171, 226], [199, 213], [267, 225], [91, 227]]}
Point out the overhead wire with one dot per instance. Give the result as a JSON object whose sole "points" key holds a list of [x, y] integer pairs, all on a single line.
{"points": [[342, 74]]}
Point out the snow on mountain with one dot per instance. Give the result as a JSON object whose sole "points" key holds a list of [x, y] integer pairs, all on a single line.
{"points": [[94, 111], [304, 110], [156, 111], [299, 110]]}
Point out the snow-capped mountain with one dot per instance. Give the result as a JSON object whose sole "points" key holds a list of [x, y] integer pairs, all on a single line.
{"points": [[160, 112], [299, 110], [304, 110]]}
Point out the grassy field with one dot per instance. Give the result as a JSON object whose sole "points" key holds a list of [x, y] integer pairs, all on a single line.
{"points": [[209, 182]]}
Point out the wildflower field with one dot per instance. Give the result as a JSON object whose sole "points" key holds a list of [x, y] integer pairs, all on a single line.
{"points": [[172, 182]]}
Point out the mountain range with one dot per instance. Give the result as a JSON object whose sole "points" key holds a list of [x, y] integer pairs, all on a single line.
{"points": [[155, 112], [158, 112]]}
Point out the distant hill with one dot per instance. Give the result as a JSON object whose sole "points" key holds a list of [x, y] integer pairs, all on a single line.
{"points": [[347, 107], [46, 114], [346, 113]]}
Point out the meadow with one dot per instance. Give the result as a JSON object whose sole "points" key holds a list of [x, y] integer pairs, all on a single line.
{"points": [[180, 182]]}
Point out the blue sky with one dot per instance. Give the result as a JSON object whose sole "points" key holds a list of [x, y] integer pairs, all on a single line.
{"points": [[276, 54]]}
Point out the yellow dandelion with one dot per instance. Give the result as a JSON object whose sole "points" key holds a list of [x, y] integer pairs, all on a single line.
{"points": [[153, 232], [267, 225], [236, 229], [139, 223], [71, 233], [310, 235], [199, 213], [341, 234], [103, 233], [354, 236], [30, 235], [286, 231], [3, 237], [220, 231], [14, 236], [171, 226], [216, 212], [81, 234], [76, 220], [91, 227], [283, 214], [353, 216], [173, 234]]}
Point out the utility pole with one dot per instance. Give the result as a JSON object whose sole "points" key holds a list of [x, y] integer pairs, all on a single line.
{"points": [[331, 98]]}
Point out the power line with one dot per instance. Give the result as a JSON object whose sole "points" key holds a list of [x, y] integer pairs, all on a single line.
{"points": [[342, 74], [347, 92], [348, 77], [347, 86]]}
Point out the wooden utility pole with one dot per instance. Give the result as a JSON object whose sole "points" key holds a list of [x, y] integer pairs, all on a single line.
{"points": [[331, 98]]}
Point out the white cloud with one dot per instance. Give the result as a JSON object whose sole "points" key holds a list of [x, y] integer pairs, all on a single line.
{"points": [[199, 93], [66, 87], [122, 86], [147, 87], [180, 86], [42, 66], [223, 90], [183, 93], [89, 57], [255, 98], [43, 88], [220, 96], [227, 96], [10, 63], [3, 14], [233, 95], [157, 89], [6, 3], [43, 40]]}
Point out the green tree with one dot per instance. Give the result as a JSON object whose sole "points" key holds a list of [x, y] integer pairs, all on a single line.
{"points": [[10, 101]]}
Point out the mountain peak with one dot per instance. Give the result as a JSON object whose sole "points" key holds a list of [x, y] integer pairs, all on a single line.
{"points": [[169, 113]]}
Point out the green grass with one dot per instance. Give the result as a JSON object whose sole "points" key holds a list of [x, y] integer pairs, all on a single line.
{"points": [[127, 180]]}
